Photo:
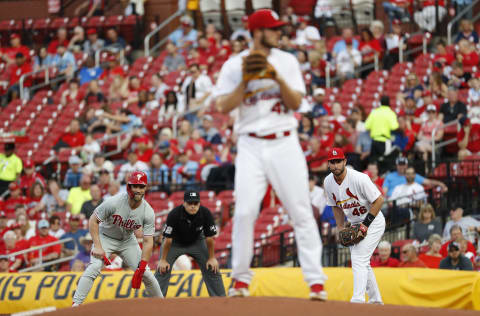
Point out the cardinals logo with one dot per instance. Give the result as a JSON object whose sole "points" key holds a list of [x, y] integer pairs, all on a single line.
{"points": [[350, 194]]}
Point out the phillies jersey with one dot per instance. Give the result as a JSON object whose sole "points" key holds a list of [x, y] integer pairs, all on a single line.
{"points": [[119, 221], [354, 195], [262, 110]]}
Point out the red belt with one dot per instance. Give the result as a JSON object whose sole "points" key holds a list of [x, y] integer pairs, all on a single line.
{"points": [[271, 136]]}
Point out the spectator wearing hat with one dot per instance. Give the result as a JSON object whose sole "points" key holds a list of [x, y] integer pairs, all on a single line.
{"points": [[455, 260], [73, 138], [65, 61], [409, 258], [89, 206], [10, 166], [74, 173], [83, 257], [319, 108], [93, 42], [10, 240], [56, 229], [306, 35], [133, 164], [54, 199], [348, 59], [424, 137], [89, 72], [208, 131], [78, 195], [341, 45], [384, 256], [185, 35], [75, 232], [242, 32], [452, 109], [30, 176], [395, 178], [15, 47], [42, 238], [14, 199]]}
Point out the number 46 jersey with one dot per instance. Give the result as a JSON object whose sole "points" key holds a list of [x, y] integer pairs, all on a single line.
{"points": [[354, 195]]}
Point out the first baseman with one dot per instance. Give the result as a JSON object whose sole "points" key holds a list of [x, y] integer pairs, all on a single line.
{"points": [[111, 226], [264, 87], [354, 195]]}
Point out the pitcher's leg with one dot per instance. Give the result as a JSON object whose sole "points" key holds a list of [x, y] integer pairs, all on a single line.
{"points": [[373, 291]]}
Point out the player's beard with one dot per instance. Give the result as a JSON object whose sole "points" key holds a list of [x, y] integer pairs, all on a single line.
{"points": [[265, 42], [337, 172], [137, 197]]}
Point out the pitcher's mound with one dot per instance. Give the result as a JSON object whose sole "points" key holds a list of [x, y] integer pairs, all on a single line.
{"points": [[252, 306]]}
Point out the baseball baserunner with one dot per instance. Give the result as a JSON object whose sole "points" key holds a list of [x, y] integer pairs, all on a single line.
{"points": [[353, 194], [264, 86], [111, 226]]}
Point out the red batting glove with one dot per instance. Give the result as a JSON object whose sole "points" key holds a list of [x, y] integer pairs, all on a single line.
{"points": [[138, 275], [106, 261]]}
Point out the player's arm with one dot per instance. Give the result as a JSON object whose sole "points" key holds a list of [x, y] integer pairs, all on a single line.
{"points": [[433, 182], [291, 98], [93, 227], [339, 217], [226, 103], [147, 248], [163, 265]]}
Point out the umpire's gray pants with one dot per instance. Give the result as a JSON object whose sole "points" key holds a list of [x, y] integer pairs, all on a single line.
{"points": [[198, 250]]}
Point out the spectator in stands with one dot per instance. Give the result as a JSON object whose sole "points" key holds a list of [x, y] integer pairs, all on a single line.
{"points": [[60, 40], [90, 148], [468, 56], [373, 172], [54, 198], [82, 259], [10, 239], [467, 32], [89, 71], [64, 61], [395, 178], [392, 45], [78, 195], [306, 35], [30, 176], [35, 195], [469, 225], [427, 224], [3, 225], [92, 7], [94, 94], [303, 61], [208, 131], [465, 251], [73, 138], [75, 232], [474, 91], [456, 235], [72, 94], [114, 41], [158, 86], [184, 133], [4, 264], [413, 88], [14, 72], [409, 258], [369, 47], [184, 171], [424, 137], [453, 109], [469, 135], [396, 10], [131, 165], [319, 109], [336, 117], [104, 180], [341, 45], [173, 61], [197, 89], [42, 59], [317, 156], [186, 35], [407, 196], [99, 163], [384, 259], [14, 199], [170, 106], [378, 32], [15, 48], [74, 173], [242, 31], [306, 127], [195, 144], [380, 123], [456, 260], [112, 71], [158, 173], [208, 161], [347, 60], [317, 194], [113, 189], [56, 229], [426, 17], [436, 86], [93, 42], [432, 257], [49, 253], [89, 206], [458, 78], [78, 40]]}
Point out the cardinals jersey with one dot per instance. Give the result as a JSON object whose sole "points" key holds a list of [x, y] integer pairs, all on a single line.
{"points": [[354, 195], [262, 110]]}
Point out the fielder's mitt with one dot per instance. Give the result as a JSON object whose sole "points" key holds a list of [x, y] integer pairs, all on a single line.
{"points": [[256, 66], [350, 235]]}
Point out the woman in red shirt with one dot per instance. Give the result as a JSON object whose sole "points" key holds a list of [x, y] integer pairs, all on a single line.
{"points": [[467, 55], [432, 257], [369, 46]]}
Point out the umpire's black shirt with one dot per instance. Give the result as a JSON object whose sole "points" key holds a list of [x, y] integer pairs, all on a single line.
{"points": [[186, 229]]}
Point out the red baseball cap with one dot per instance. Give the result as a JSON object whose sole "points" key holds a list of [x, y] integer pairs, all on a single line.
{"points": [[14, 35], [13, 186], [28, 163], [91, 31], [264, 19], [336, 153]]}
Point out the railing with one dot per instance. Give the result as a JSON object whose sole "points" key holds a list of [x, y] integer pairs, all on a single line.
{"points": [[30, 74], [40, 249], [457, 17], [158, 29], [118, 136], [436, 146]]}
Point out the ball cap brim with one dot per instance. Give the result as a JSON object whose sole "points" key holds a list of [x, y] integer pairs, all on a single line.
{"points": [[264, 19]]}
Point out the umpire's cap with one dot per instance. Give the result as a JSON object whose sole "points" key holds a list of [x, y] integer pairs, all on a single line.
{"points": [[191, 196]]}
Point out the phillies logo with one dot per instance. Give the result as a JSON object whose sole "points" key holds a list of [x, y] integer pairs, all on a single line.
{"points": [[350, 194], [129, 224]]}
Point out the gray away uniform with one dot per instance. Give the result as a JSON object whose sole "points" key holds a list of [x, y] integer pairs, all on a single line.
{"points": [[117, 224]]}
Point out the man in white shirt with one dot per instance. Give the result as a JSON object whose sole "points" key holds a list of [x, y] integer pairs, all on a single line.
{"points": [[317, 194], [196, 88], [347, 60], [133, 164], [470, 226], [306, 34], [410, 193]]}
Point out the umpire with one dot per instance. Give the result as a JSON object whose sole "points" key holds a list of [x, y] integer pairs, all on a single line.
{"points": [[189, 230]]}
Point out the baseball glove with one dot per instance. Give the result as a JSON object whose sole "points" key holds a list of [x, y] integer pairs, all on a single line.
{"points": [[256, 66], [351, 235]]}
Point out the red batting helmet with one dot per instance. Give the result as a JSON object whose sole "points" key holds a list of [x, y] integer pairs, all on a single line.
{"points": [[136, 177]]}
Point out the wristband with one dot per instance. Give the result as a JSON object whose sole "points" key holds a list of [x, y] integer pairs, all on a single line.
{"points": [[142, 264], [368, 220]]}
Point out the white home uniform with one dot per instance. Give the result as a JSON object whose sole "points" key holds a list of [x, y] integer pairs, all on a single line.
{"points": [[355, 196], [269, 152], [117, 224]]}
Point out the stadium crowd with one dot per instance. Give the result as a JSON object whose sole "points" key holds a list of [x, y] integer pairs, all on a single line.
{"points": [[390, 138]]}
